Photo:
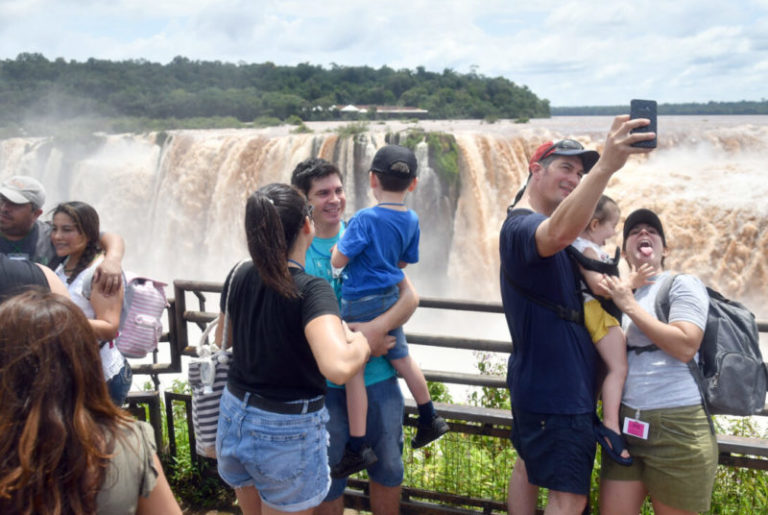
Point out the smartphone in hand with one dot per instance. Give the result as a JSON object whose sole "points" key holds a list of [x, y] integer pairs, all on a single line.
{"points": [[644, 109]]}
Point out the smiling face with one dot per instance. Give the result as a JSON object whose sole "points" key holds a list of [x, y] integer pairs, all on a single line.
{"points": [[557, 180], [644, 245], [67, 239], [326, 195]]}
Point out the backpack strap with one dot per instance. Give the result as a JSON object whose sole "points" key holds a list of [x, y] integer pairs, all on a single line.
{"points": [[571, 315], [662, 307], [595, 265], [566, 313]]}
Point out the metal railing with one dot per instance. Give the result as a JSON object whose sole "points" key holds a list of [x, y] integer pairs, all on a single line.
{"points": [[465, 419]]}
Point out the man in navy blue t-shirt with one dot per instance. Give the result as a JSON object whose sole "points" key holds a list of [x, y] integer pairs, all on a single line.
{"points": [[551, 373]]}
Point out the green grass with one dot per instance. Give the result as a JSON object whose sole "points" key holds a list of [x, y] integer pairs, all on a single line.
{"points": [[466, 465]]}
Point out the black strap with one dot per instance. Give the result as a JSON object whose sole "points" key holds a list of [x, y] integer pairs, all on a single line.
{"points": [[571, 315], [595, 265], [566, 313]]}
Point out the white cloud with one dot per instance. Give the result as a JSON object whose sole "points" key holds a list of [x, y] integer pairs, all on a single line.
{"points": [[573, 52]]}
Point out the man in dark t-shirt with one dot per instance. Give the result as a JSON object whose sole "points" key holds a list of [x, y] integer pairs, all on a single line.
{"points": [[551, 371]]}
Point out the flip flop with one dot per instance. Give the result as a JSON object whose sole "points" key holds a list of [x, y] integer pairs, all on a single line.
{"points": [[617, 444]]}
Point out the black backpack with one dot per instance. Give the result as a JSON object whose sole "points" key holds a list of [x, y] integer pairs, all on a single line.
{"points": [[731, 374]]}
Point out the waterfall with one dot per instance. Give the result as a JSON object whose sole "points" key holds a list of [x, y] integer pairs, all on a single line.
{"points": [[178, 199]]}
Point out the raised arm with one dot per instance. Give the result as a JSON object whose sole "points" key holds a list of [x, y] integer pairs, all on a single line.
{"points": [[339, 353], [108, 275], [572, 214]]}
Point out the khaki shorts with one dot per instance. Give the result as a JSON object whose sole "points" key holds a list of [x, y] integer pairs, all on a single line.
{"points": [[597, 320], [678, 461]]}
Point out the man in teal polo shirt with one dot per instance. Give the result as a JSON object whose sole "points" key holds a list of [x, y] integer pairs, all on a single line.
{"points": [[321, 182]]}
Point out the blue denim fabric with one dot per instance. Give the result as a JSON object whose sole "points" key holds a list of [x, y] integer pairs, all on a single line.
{"points": [[384, 433], [283, 456], [120, 384], [369, 307]]}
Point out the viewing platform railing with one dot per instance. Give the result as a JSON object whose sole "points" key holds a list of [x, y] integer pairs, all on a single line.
{"points": [[735, 451]]}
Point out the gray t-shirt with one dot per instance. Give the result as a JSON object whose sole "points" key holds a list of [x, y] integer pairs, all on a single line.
{"points": [[656, 379], [131, 472]]}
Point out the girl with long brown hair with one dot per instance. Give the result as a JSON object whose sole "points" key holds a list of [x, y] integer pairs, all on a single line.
{"points": [[66, 448], [75, 236]]}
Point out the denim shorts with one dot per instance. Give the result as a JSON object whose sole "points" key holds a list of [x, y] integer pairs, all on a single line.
{"points": [[119, 385], [384, 432], [283, 456], [559, 450], [369, 307]]}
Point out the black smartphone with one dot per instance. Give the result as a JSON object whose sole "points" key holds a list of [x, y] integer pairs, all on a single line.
{"points": [[644, 109]]}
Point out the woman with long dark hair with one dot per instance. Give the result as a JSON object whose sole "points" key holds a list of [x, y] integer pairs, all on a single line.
{"points": [[75, 234], [287, 334], [66, 448]]}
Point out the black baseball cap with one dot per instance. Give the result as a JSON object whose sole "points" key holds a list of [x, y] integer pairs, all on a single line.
{"points": [[388, 155], [643, 216]]}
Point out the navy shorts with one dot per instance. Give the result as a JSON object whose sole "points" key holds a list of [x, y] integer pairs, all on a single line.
{"points": [[558, 450]]}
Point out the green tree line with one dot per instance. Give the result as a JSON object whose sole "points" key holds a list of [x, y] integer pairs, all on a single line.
{"points": [[703, 108], [32, 86]]}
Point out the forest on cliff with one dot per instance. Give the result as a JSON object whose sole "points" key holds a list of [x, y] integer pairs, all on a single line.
{"points": [[32, 86]]}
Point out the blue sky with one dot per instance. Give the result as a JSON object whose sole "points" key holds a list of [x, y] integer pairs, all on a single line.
{"points": [[589, 52]]}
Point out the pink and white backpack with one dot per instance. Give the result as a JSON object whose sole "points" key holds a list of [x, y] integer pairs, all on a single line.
{"points": [[141, 317]]}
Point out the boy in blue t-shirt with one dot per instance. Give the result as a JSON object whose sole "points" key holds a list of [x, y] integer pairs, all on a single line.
{"points": [[378, 242]]}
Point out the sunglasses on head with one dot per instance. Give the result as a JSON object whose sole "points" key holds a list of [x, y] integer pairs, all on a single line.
{"points": [[565, 144], [308, 210]]}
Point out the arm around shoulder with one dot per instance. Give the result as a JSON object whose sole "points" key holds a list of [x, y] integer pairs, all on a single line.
{"points": [[108, 275]]}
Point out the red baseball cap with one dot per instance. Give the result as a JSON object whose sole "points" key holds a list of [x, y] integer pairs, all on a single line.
{"points": [[565, 147]]}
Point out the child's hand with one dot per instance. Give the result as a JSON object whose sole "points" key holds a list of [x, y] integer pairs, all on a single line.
{"points": [[641, 276]]}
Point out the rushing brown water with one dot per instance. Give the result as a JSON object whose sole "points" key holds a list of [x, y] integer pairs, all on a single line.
{"points": [[179, 202]]}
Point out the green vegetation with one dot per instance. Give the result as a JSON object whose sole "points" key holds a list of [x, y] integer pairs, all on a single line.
{"points": [[140, 92], [301, 128], [443, 152], [715, 108], [352, 130], [471, 465], [267, 121], [196, 487]]}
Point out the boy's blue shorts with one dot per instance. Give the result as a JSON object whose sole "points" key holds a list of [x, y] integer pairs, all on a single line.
{"points": [[369, 307]]}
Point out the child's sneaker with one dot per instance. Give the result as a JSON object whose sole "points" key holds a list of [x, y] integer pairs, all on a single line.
{"points": [[425, 434], [353, 462]]}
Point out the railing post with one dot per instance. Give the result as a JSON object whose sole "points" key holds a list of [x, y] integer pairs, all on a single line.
{"points": [[181, 326]]}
